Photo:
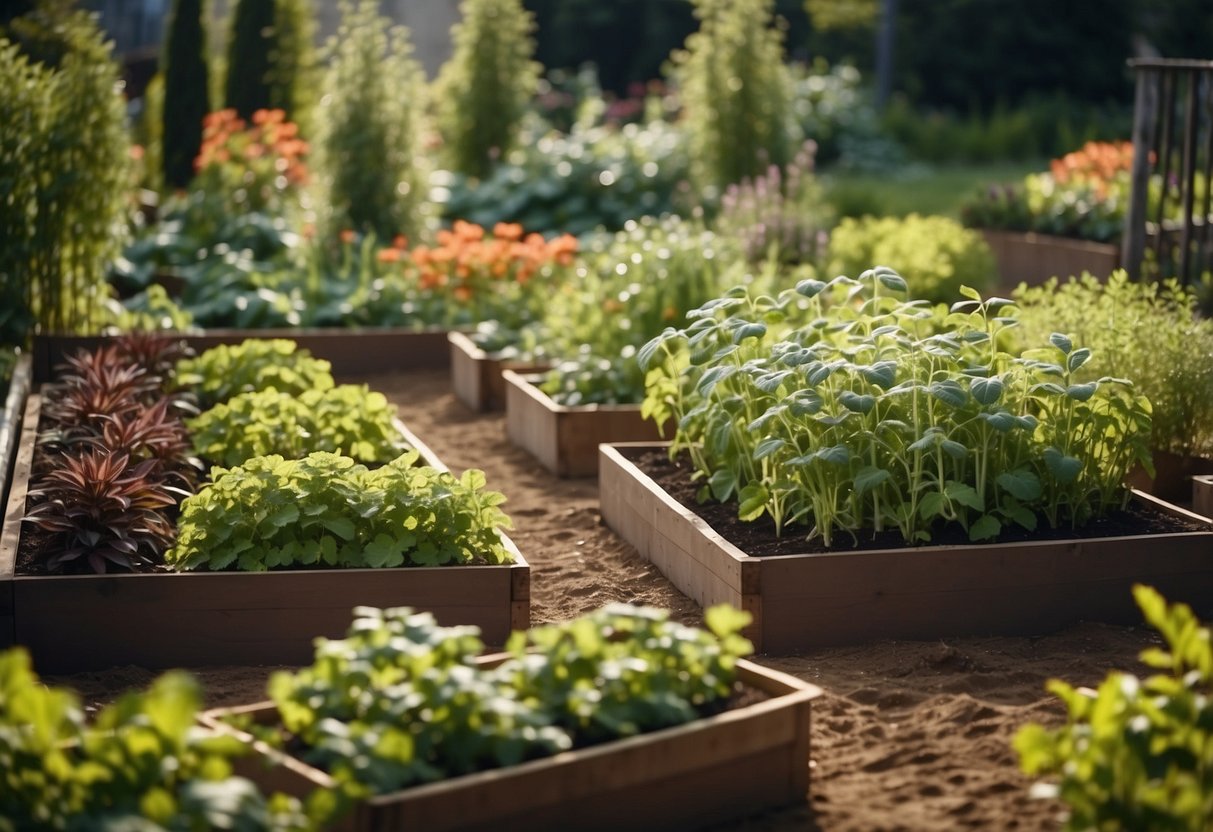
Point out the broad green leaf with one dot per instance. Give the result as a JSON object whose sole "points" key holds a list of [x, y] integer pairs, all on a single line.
{"points": [[950, 392], [1078, 358], [855, 402], [343, 527], [1062, 342], [723, 483], [1082, 392], [725, 620], [753, 499], [986, 391], [987, 527], [870, 477], [1020, 483], [767, 447], [1065, 469], [964, 494]]}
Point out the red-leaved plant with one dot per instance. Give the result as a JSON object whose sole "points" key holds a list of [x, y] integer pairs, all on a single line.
{"points": [[104, 511]]}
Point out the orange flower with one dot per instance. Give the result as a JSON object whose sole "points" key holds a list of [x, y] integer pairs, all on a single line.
{"points": [[388, 255], [400, 241], [348, 236], [508, 231]]}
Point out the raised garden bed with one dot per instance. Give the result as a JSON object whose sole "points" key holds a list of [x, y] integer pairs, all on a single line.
{"points": [[1028, 257], [749, 758], [565, 439], [476, 374], [352, 352], [843, 596], [1173, 476], [73, 623], [10, 421], [1202, 495]]}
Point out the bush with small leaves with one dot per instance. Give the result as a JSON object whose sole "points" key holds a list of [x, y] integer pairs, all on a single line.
{"points": [[325, 510], [226, 371], [1136, 753], [347, 419]]}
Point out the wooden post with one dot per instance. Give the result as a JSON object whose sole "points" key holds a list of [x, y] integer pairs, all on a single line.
{"points": [[1134, 240]]}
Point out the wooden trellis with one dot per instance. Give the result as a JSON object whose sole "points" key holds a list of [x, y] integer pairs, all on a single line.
{"points": [[1172, 163]]}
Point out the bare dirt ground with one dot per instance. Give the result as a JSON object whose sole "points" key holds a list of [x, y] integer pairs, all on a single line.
{"points": [[907, 736]]}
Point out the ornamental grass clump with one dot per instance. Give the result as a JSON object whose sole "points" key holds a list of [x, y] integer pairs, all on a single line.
{"points": [[325, 510], [841, 407], [365, 710]]}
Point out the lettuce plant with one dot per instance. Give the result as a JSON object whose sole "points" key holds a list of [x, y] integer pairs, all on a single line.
{"points": [[844, 408], [224, 371], [1135, 753], [142, 763], [365, 709], [325, 510], [347, 419]]}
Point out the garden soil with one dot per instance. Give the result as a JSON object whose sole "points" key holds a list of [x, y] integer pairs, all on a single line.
{"points": [[907, 736]]}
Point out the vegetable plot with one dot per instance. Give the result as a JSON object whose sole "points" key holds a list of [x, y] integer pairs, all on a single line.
{"points": [[840, 407]]}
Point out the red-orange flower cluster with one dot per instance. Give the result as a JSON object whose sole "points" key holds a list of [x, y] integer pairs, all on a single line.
{"points": [[226, 138], [1095, 164], [466, 260]]}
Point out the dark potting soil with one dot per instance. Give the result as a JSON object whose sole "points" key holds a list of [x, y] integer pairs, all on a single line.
{"points": [[758, 538]]}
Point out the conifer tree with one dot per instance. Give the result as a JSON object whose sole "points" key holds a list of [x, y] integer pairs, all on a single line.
{"points": [[186, 97], [247, 88], [736, 91], [484, 89], [367, 148], [292, 62]]}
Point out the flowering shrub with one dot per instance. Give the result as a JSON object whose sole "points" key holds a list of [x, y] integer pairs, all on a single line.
{"points": [[257, 167], [471, 276], [780, 215], [1084, 194]]}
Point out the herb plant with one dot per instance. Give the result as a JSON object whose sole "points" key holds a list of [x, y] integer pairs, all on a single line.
{"points": [[325, 510], [841, 407], [1136, 753], [142, 763], [225, 371], [368, 708], [1145, 331], [348, 419]]}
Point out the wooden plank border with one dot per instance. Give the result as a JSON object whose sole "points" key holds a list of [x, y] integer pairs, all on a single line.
{"points": [[352, 352], [10, 419], [476, 375], [1028, 257], [722, 767], [565, 439], [804, 601], [199, 618]]}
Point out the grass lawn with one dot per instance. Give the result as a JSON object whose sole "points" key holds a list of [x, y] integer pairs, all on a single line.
{"points": [[921, 188]]}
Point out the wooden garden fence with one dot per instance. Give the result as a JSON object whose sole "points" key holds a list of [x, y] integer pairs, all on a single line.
{"points": [[1172, 163]]}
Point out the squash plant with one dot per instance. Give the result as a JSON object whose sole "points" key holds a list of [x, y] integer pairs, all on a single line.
{"points": [[349, 419], [1136, 753], [842, 407], [400, 700], [141, 763], [325, 510]]}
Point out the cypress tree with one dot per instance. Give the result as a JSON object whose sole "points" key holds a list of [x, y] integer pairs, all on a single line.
{"points": [[292, 61], [186, 101], [248, 57], [735, 91], [484, 89]]}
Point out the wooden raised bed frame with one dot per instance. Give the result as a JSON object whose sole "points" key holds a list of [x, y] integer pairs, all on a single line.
{"points": [[73, 623], [565, 439], [1028, 257], [726, 766], [352, 352], [10, 422], [1202, 495], [853, 596], [476, 374]]}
